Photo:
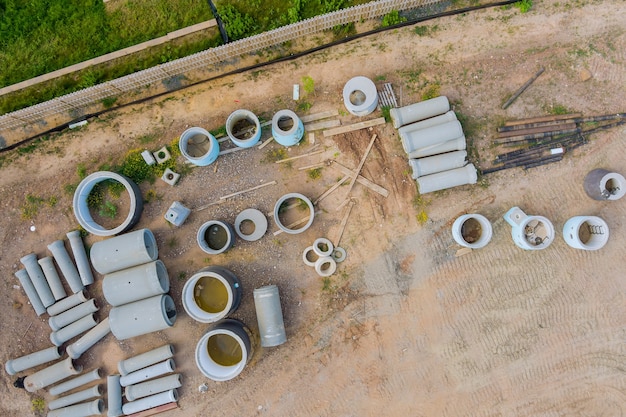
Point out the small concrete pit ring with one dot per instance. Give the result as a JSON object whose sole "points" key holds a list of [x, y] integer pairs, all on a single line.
{"points": [[306, 256], [258, 220], [339, 254], [323, 247], [325, 266]]}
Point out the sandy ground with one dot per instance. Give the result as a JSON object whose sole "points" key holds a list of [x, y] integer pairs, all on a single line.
{"points": [[404, 326]]}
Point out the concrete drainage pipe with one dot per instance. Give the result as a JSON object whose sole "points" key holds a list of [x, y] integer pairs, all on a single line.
{"points": [[95, 407], [472, 231], [137, 406], [280, 207], [51, 374], [458, 144], [586, 232], [325, 266], [145, 359], [309, 256], [437, 163], [153, 386], [287, 128], [136, 283], [114, 396], [433, 121], [447, 179], [199, 146], [31, 291], [124, 251], [13, 366], [142, 317], [419, 111], [222, 353], [215, 237], [360, 96], [243, 128], [75, 398], [529, 232], [81, 207], [79, 381], [211, 294], [259, 223], [433, 135], [601, 184], [269, 316]]}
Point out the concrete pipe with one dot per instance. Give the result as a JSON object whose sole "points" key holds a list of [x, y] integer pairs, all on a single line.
{"points": [[142, 317], [287, 128], [529, 232], [150, 372], [259, 224], [323, 247], [86, 394], [95, 407], [31, 291], [211, 294], [136, 283], [433, 135], [447, 179], [437, 163], [124, 251], [198, 146], [114, 396], [67, 303], [269, 316], [70, 316], [339, 254], [433, 121], [278, 210], [52, 276], [586, 232], [458, 144], [31, 360], [81, 208], [154, 386], [472, 231], [67, 267], [601, 184], [93, 336], [152, 401], [79, 381], [145, 359], [51, 374], [215, 237], [38, 279], [360, 96], [325, 266], [222, 353], [419, 111], [243, 128], [309, 256], [72, 330], [80, 256]]}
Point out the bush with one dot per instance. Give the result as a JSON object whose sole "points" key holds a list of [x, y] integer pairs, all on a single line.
{"points": [[392, 18]]}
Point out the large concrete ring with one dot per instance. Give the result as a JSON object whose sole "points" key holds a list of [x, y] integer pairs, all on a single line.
{"points": [[320, 243], [332, 266], [259, 221], [81, 208], [360, 96], [277, 208]]}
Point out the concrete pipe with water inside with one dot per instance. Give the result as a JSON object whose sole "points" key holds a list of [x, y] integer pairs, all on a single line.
{"points": [[222, 353], [124, 251], [472, 231], [360, 96], [529, 232], [284, 213], [601, 184], [215, 237], [419, 111], [586, 232], [447, 179], [243, 128], [136, 283], [287, 128], [198, 146], [211, 294], [141, 317]]}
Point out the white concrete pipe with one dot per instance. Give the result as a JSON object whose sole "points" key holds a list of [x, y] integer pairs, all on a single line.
{"points": [[472, 231], [38, 279], [145, 359], [31, 291], [80, 256], [360, 96], [211, 294], [437, 163], [290, 228], [601, 184], [150, 372], [52, 276], [259, 223], [124, 251], [529, 232], [586, 232], [152, 401], [136, 283], [75, 313], [458, 144], [86, 394], [67, 267], [215, 237], [287, 128], [51, 374], [114, 396], [419, 111], [142, 317], [325, 266], [447, 179], [67, 303], [72, 330], [243, 128], [95, 407], [31, 360], [309, 256], [433, 121], [154, 386], [79, 381], [433, 135], [198, 146], [93, 336], [222, 353], [269, 316]]}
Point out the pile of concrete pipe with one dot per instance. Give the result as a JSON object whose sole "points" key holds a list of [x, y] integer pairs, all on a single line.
{"points": [[433, 139], [323, 256]]}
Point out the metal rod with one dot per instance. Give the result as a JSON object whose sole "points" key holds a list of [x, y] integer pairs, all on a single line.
{"points": [[522, 88]]}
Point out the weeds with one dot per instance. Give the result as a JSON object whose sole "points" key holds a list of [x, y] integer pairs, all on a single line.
{"points": [[38, 405], [432, 90], [308, 85], [273, 155], [392, 18], [108, 209], [386, 113], [30, 209], [304, 106], [315, 174]]}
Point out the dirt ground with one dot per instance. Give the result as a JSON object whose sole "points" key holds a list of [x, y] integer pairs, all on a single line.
{"points": [[404, 326]]}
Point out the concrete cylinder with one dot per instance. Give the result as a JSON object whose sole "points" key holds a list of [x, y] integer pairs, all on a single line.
{"points": [[124, 251], [457, 144], [79, 381], [72, 330], [529, 232], [269, 316], [38, 279], [152, 401], [433, 121], [586, 232], [93, 336], [287, 128], [149, 372], [67, 303], [154, 386], [222, 353], [601, 184], [31, 291], [437, 163], [95, 407], [52, 276], [142, 317], [114, 396], [243, 128], [136, 283], [80, 256], [66, 265], [31, 360], [472, 231], [215, 237], [360, 96], [75, 398], [70, 316], [145, 359], [447, 179], [211, 294], [433, 135], [198, 146], [51, 374], [419, 111]]}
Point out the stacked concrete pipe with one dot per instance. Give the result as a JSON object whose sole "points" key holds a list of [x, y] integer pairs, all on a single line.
{"points": [[31, 291], [52, 276], [80, 256], [145, 359], [67, 267], [31, 360], [93, 336], [153, 386], [149, 372], [135, 283], [76, 382], [38, 279], [77, 397], [124, 251], [152, 401], [141, 317], [323, 256]]}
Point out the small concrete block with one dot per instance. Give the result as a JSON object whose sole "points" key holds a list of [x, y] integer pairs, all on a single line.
{"points": [[312, 138], [170, 177], [162, 155], [177, 214], [585, 74], [296, 92], [77, 124], [147, 156]]}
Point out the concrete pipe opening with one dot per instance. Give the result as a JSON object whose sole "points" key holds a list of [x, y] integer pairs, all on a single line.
{"points": [[325, 266], [601, 184], [222, 353], [529, 232], [472, 231], [287, 128], [198, 146], [289, 211], [141, 317], [309, 256], [586, 232], [360, 96], [323, 247], [243, 128], [135, 283], [211, 294], [251, 225], [215, 237]]}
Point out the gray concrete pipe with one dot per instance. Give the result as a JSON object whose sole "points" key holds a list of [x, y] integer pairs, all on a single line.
{"points": [[152, 401], [433, 135], [136, 283], [86, 394], [447, 179], [38, 279], [51, 374], [151, 387], [437, 163], [114, 396], [419, 111], [75, 313], [150, 372], [67, 303], [80, 256], [31, 360], [79, 381], [601, 184], [52, 276], [145, 359], [458, 144], [433, 121], [269, 316], [72, 330], [124, 251], [93, 336], [142, 317], [31, 291], [215, 237], [67, 267], [218, 288], [95, 407]]}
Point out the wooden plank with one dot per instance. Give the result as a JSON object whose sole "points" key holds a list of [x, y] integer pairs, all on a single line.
{"points": [[248, 190], [344, 222], [264, 144], [360, 167], [331, 189], [541, 129], [542, 119], [155, 410], [318, 116], [325, 124], [299, 156], [356, 126], [362, 180], [313, 166], [294, 224]]}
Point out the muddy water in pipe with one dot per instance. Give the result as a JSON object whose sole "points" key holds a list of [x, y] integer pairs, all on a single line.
{"points": [[224, 349], [357, 97], [210, 294], [471, 230], [216, 237]]}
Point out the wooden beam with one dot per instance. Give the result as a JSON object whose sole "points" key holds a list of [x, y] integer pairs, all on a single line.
{"points": [[299, 156], [325, 124], [155, 410], [318, 116], [356, 126], [543, 119], [294, 224], [344, 222], [248, 190], [331, 189], [362, 180], [358, 170]]}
